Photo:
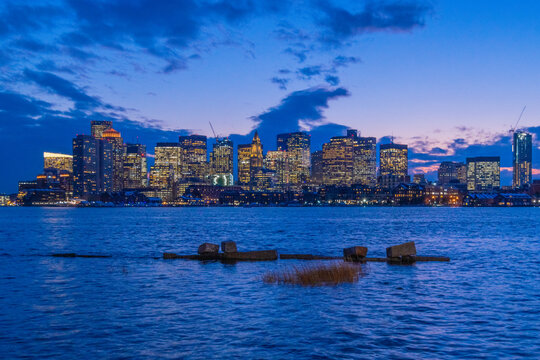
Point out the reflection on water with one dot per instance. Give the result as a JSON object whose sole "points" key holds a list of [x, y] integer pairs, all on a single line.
{"points": [[482, 304]]}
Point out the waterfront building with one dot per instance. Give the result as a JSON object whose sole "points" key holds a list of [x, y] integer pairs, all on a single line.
{"points": [[451, 172], [194, 156], [208, 193], [393, 160], [92, 166], [135, 166], [56, 179], [97, 127], [296, 146], [317, 167], [4, 200], [169, 155], [162, 181], [442, 195], [483, 173], [513, 199], [338, 160], [58, 161], [522, 159], [117, 143], [278, 162], [364, 160], [409, 194], [221, 158]]}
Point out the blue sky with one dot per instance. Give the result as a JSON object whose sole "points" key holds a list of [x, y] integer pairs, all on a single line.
{"points": [[449, 78]]}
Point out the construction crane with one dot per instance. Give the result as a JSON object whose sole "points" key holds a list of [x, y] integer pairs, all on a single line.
{"points": [[513, 129], [211, 127]]}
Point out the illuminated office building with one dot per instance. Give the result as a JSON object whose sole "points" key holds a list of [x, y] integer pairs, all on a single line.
{"points": [[250, 161], [58, 161], [278, 162], [263, 179], [244, 156], [256, 156], [221, 158], [163, 183], [338, 160], [194, 158], [169, 154], [97, 127], [297, 147], [522, 159], [483, 173], [393, 160], [117, 143], [365, 161], [135, 166], [92, 166], [53, 178], [452, 173]]}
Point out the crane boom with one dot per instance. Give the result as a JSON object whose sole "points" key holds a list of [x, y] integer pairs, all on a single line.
{"points": [[519, 119], [211, 127]]}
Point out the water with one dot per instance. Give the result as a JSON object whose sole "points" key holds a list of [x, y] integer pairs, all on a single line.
{"points": [[483, 304]]}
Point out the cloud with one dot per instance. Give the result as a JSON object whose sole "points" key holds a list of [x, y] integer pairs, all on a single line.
{"points": [[19, 105], [304, 107], [62, 87], [298, 111], [281, 82], [341, 24], [332, 80], [166, 29]]}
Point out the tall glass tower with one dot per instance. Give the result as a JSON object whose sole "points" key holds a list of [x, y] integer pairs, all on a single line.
{"points": [[522, 150]]}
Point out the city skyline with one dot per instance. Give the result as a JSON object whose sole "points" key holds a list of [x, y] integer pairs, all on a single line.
{"points": [[349, 168], [412, 70]]}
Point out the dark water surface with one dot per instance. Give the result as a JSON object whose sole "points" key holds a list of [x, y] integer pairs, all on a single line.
{"points": [[485, 303]]}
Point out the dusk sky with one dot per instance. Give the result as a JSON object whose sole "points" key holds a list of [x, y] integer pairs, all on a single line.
{"points": [[448, 78]]}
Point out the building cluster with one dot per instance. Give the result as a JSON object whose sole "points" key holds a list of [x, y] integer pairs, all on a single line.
{"points": [[102, 169]]}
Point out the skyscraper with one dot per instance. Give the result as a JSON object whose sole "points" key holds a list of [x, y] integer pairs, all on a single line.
{"points": [[117, 143], [297, 148], [58, 161], [244, 156], [338, 160], [135, 166], [221, 158], [250, 161], [92, 166], [522, 159], [452, 172], [483, 173], [365, 161], [162, 181], [97, 127], [256, 156], [317, 167], [194, 159], [278, 162], [169, 154], [393, 160]]}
